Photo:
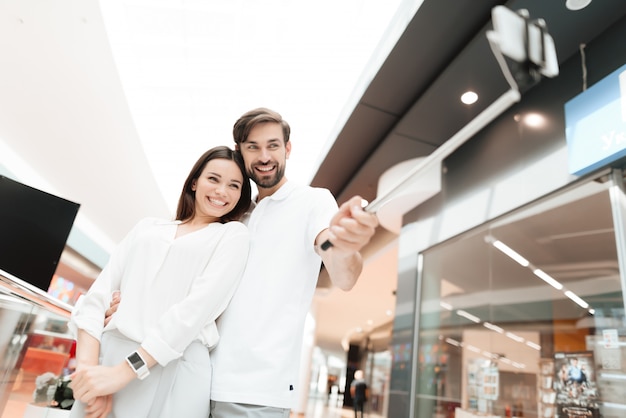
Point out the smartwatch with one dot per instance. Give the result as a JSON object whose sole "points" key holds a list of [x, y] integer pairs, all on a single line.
{"points": [[139, 366]]}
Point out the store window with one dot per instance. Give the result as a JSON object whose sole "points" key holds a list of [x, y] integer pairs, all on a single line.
{"points": [[525, 316]]}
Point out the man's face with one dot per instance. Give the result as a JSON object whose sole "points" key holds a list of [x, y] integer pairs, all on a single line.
{"points": [[265, 154]]}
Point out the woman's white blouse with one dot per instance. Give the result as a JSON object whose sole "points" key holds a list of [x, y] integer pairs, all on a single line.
{"points": [[172, 289]]}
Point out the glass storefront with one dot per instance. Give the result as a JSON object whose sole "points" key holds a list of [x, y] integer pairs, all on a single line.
{"points": [[524, 316]]}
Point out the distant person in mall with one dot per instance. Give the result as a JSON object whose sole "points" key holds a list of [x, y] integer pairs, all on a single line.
{"points": [[256, 363], [177, 276], [359, 392]]}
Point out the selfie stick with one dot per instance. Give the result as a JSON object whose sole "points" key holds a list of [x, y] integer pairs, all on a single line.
{"points": [[501, 104]]}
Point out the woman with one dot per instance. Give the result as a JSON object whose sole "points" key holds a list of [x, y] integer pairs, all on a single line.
{"points": [[176, 278]]}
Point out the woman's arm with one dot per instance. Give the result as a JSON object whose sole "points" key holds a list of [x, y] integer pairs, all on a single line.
{"points": [[92, 380], [207, 297], [87, 350], [87, 353], [179, 325], [87, 326]]}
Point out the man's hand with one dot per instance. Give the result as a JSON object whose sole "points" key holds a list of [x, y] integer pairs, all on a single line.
{"points": [[352, 228], [115, 303]]}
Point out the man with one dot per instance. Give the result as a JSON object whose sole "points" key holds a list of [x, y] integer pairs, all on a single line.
{"points": [[359, 392], [256, 362]]}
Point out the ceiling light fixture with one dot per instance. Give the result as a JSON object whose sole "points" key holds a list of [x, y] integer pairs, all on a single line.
{"points": [[573, 296], [468, 315], [534, 120], [469, 97], [577, 4], [533, 345], [515, 337], [511, 253], [537, 272], [548, 279], [445, 305], [493, 327]]}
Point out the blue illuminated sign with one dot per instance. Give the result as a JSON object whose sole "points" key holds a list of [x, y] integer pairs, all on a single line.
{"points": [[595, 124]]}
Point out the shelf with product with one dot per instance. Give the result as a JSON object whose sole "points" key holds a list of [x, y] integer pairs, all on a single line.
{"points": [[545, 384]]}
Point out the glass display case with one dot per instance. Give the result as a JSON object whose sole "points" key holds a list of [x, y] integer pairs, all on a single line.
{"points": [[37, 351]]}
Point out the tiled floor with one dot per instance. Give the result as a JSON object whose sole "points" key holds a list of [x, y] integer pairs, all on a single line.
{"points": [[317, 408], [320, 408]]}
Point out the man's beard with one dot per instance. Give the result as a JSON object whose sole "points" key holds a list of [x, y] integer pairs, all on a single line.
{"points": [[267, 182]]}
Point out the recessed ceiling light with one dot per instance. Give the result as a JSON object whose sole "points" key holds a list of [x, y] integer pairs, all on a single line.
{"points": [[534, 120], [469, 97], [577, 4]]}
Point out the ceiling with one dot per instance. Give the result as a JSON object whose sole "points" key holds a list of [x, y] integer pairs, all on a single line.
{"points": [[64, 111]]}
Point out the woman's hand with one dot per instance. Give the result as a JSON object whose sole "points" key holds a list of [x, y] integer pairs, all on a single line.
{"points": [[99, 407], [90, 382]]}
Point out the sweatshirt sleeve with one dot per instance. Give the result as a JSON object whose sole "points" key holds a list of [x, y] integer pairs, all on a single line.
{"points": [[207, 298]]}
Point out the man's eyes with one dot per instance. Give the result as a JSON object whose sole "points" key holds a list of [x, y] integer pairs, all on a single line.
{"points": [[255, 147]]}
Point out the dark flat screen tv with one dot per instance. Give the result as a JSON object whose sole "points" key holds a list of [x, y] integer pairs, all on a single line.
{"points": [[34, 226]]}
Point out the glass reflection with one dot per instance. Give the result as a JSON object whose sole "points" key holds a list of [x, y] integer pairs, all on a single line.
{"points": [[508, 309]]}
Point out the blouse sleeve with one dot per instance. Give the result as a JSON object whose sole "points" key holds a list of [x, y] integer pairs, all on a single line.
{"points": [[88, 314], [208, 297]]}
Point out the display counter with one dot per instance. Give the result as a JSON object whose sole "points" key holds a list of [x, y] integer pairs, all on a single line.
{"points": [[35, 346]]}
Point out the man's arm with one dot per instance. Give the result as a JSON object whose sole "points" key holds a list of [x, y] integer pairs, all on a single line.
{"points": [[349, 231]]}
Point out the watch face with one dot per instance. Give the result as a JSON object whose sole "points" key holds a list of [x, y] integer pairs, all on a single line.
{"points": [[136, 361]]}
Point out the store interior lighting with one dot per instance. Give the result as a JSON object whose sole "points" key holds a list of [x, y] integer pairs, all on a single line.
{"points": [[521, 260]]}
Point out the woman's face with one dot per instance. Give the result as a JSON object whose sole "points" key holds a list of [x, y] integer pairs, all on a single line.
{"points": [[218, 189]]}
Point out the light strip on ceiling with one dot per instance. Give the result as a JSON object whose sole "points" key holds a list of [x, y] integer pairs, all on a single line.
{"points": [[514, 255], [493, 327], [468, 315], [511, 253], [576, 299], [548, 279]]}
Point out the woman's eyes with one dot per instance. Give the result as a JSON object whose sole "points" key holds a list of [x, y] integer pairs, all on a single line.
{"points": [[214, 179]]}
